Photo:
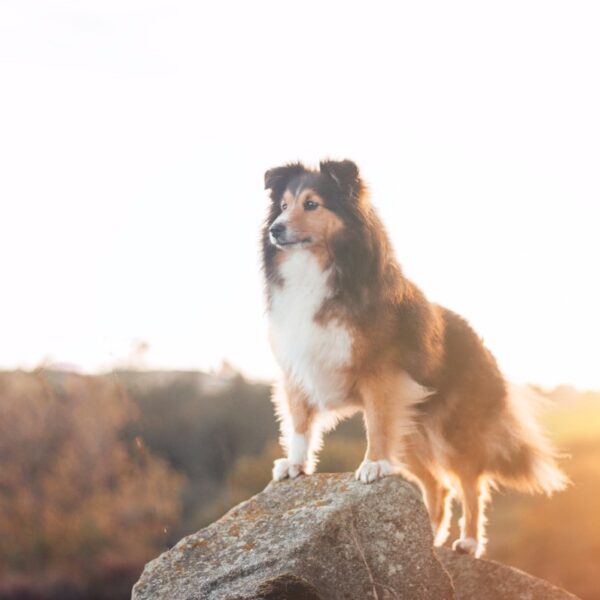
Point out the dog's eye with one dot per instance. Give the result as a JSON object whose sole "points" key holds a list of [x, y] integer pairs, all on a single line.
{"points": [[310, 205], [283, 205]]}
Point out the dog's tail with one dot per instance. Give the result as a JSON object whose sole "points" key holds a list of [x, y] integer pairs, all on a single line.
{"points": [[526, 459]]}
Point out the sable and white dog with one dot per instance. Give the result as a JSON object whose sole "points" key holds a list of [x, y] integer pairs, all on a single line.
{"points": [[351, 333]]}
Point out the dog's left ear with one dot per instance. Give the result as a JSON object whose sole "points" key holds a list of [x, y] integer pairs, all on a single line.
{"points": [[277, 178], [344, 174]]}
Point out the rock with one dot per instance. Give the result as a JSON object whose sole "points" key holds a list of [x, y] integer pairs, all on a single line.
{"points": [[471, 576], [287, 587], [343, 538], [327, 537]]}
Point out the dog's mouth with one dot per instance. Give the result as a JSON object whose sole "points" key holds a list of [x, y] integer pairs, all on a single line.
{"points": [[281, 244]]}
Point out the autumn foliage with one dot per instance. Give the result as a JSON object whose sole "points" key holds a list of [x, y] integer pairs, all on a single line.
{"points": [[79, 503]]}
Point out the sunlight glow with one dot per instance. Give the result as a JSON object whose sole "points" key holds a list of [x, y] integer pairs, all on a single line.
{"points": [[134, 137]]}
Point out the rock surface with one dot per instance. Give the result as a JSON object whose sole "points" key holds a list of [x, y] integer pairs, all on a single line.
{"points": [[476, 578], [327, 537]]}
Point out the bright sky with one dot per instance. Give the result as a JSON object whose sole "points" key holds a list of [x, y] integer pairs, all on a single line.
{"points": [[134, 135]]}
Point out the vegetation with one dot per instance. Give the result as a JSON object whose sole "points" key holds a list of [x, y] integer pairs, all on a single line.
{"points": [[81, 507], [99, 474]]}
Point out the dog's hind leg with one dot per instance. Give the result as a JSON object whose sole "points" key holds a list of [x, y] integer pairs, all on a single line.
{"points": [[474, 497], [443, 514], [437, 497]]}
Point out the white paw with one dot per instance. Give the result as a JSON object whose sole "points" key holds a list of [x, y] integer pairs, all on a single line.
{"points": [[372, 470], [283, 468], [467, 546]]}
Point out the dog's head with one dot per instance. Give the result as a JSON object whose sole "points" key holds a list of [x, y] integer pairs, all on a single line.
{"points": [[311, 207], [326, 211]]}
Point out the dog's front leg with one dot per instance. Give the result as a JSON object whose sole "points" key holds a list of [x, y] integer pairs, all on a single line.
{"points": [[299, 434], [377, 461], [388, 402]]}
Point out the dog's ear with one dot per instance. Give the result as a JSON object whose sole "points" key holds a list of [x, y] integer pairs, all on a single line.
{"points": [[344, 174], [277, 179]]}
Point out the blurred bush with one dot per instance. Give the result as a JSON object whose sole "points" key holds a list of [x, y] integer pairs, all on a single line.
{"points": [[79, 503], [201, 426]]}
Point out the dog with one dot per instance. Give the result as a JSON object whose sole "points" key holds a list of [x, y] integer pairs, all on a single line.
{"points": [[352, 333]]}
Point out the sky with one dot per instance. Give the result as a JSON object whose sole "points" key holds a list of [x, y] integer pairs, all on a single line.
{"points": [[134, 136]]}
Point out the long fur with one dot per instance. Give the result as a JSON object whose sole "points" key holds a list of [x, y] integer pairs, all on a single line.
{"points": [[351, 332]]}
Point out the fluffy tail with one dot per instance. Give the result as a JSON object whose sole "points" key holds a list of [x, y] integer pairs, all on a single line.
{"points": [[528, 460]]}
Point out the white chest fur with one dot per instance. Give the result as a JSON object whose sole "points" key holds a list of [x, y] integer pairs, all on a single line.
{"points": [[311, 354]]}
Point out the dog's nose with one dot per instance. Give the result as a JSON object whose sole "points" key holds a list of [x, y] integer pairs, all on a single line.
{"points": [[277, 230]]}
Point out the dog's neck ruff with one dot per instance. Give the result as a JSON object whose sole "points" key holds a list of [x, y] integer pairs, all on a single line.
{"points": [[312, 354]]}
